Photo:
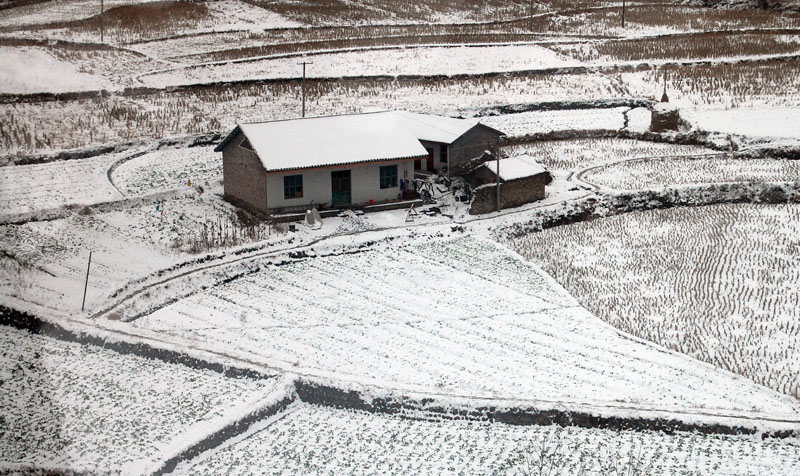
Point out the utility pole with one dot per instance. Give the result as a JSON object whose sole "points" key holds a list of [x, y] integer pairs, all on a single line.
{"points": [[101, 21], [303, 85], [623, 13], [497, 187], [86, 284]]}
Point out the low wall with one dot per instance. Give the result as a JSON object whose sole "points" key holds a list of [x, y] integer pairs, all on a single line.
{"points": [[225, 433], [35, 325], [600, 206], [512, 194], [424, 408], [200, 140]]}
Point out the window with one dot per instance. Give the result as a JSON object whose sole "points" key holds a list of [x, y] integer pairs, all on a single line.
{"points": [[245, 144], [443, 153], [293, 186], [388, 176]]}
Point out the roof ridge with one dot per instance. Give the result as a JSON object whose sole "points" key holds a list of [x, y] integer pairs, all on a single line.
{"points": [[317, 117], [409, 116]]}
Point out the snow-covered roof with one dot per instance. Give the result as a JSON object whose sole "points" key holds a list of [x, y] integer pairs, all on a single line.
{"points": [[435, 128], [516, 167], [347, 139]]}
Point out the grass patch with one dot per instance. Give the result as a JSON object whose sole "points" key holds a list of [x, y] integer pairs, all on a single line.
{"points": [[707, 45], [134, 22]]}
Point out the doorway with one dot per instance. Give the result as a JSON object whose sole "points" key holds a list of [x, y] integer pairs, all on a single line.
{"points": [[430, 165], [340, 188]]}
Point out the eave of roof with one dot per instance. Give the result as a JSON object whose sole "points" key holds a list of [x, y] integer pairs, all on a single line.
{"points": [[344, 164]]}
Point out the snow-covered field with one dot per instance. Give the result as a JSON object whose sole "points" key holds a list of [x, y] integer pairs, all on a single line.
{"points": [[534, 122], [219, 16], [28, 188], [576, 155], [359, 443], [719, 283], [454, 317], [70, 406], [656, 173], [435, 310], [66, 125], [33, 70], [776, 122], [394, 61], [168, 170], [57, 10]]}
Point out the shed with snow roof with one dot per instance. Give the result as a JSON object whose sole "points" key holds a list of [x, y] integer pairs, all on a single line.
{"points": [[522, 180], [290, 165]]}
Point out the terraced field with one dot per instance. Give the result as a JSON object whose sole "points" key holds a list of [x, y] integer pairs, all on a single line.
{"points": [[718, 283], [456, 317], [365, 443], [28, 188], [120, 413], [575, 155], [168, 170], [656, 173]]}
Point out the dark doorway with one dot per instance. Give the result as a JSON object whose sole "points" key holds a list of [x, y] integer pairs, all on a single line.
{"points": [[340, 188], [430, 166]]}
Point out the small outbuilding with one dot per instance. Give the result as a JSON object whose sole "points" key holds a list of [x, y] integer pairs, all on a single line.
{"points": [[522, 180], [665, 117], [336, 161]]}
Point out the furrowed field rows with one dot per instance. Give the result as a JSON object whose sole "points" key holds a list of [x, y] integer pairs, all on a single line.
{"points": [[649, 173], [121, 413], [395, 61], [168, 169], [710, 282], [28, 188], [574, 155], [62, 125], [710, 45], [45, 261], [461, 317], [362, 443], [311, 293], [533, 122], [136, 20], [768, 83]]}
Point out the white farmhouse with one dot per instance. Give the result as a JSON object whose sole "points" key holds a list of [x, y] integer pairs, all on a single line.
{"points": [[290, 165]]}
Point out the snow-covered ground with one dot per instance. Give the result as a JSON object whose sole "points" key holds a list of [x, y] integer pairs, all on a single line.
{"points": [[656, 173], [535, 122], [360, 443], [66, 124], [719, 283], [449, 317], [394, 61], [168, 169], [28, 188], [223, 15], [773, 122], [33, 70], [57, 10], [576, 155], [71, 406]]}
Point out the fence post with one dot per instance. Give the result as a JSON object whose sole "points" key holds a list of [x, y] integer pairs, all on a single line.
{"points": [[86, 283]]}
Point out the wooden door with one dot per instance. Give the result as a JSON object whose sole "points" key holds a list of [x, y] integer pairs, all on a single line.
{"points": [[340, 188]]}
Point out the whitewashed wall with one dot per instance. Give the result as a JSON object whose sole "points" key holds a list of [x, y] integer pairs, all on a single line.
{"points": [[364, 185]]}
